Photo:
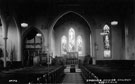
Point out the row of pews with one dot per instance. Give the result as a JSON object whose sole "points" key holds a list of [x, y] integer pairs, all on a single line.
{"points": [[97, 74], [35, 74]]}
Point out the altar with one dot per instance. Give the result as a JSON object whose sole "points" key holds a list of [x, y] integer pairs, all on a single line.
{"points": [[72, 58]]}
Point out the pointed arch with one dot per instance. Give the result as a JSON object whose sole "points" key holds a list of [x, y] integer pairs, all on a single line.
{"points": [[106, 29], [55, 22], [29, 30], [68, 12]]}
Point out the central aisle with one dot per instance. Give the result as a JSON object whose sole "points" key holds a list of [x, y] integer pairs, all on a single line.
{"points": [[73, 78]]}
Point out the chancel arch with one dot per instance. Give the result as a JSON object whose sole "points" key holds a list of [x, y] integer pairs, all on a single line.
{"points": [[57, 22], [77, 33]]}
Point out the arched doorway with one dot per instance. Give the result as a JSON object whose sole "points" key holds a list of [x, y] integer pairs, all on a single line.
{"points": [[72, 24], [32, 47]]}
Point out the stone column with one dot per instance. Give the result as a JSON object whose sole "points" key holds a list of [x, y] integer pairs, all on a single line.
{"points": [[94, 61], [94, 53], [4, 29], [126, 43], [17, 23], [4, 21], [5, 50]]}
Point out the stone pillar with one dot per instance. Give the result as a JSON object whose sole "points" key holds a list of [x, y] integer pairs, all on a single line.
{"points": [[4, 21], [93, 47], [5, 50], [19, 58], [19, 55], [126, 43], [4, 29], [95, 56], [94, 61]]}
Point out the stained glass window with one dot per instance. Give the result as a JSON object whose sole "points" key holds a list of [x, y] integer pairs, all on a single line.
{"points": [[106, 39], [64, 45], [68, 43], [71, 40], [79, 45]]}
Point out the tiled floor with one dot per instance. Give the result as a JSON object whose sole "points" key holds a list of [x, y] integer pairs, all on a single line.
{"points": [[73, 78]]}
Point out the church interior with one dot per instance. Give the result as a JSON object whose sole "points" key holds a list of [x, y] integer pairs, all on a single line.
{"points": [[67, 41]]}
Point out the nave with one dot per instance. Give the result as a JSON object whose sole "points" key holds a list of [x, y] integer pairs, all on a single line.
{"points": [[66, 41]]}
